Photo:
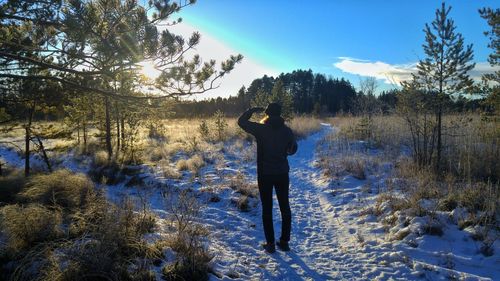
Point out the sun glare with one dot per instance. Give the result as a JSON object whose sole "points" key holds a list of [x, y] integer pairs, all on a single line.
{"points": [[148, 69]]}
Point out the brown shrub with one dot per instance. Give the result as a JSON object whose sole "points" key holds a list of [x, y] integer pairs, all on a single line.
{"points": [[61, 188], [192, 259], [192, 164], [28, 225], [11, 185], [355, 166]]}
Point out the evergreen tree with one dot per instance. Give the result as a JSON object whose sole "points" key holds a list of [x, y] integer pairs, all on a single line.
{"points": [[444, 71], [492, 80], [493, 19], [92, 45], [284, 98]]}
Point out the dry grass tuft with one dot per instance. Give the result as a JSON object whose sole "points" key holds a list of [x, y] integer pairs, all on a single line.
{"points": [[11, 185], [240, 184], [192, 164], [77, 235], [355, 166], [61, 188], [243, 203], [188, 241], [304, 126], [28, 225], [170, 172], [100, 159]]}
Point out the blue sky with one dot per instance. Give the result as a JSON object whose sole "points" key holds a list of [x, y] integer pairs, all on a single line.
{"points": [[341, 38]]}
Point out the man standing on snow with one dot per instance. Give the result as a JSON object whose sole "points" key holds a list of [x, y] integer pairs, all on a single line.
{"points": [[275, 141]]}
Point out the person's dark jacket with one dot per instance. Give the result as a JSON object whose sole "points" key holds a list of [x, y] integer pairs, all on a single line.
{"points": [[275, 141]]}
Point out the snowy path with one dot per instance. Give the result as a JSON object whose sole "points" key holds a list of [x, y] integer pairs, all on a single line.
{"points": [[322, 242]]}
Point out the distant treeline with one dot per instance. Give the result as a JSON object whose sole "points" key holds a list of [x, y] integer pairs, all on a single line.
{"points": [[312, 93]]}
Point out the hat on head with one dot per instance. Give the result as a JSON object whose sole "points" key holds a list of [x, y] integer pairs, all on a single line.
{"points": [[273, 109]]}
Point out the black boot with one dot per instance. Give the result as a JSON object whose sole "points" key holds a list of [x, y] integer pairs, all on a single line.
{"points": [[283, 245], [269, 247]]}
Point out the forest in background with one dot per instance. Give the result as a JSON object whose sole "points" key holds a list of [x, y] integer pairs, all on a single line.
{"points": [[77, 117], [320, 95]]}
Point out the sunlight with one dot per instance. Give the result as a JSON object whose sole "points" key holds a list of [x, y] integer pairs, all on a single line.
{"points": [[149, 70]]}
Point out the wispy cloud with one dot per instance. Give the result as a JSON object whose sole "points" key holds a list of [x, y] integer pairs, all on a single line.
{"points": [[352, 59], [212, 48], [391, 74], [394, 74], [481, 69]]}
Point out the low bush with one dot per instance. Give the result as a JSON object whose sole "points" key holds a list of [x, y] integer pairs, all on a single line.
{"points": [[425, 193], [61, 188], [248, 190], [105, 170], [241, 185], [100, 158], [28, 225], [168, 171], [243, 203], [355, 166], [105, 243], [192, 259], [77, 235], [10, 185], [192, 164]]}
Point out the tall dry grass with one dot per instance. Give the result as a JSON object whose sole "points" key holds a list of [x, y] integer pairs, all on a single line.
{"points": [[471, 143], [25, 226], [381, 131], [188, 240], [61, 188], [469, 181], [472, 147], [303, 126]]}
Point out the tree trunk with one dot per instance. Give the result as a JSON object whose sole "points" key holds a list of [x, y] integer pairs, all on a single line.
{"points": [[439, 139], [118, 135], [122, 121], [84, 129], [27, 138], [109, 147], [44, 154], [78, 132]]}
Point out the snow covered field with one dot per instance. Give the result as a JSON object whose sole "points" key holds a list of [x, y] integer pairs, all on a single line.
{"points": [[334, 237]]}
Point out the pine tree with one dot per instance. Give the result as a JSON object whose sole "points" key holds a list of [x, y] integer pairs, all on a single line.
{"points": [[493, 18], [280, 95], [92, 45], [492, 80], [444, 71], [220, 124]]}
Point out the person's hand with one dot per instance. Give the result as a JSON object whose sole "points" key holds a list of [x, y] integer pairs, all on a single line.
{"points": [[257, 109]]}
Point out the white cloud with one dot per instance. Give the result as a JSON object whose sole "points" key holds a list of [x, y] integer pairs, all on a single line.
{"points": [[391, 74], [212, 48], [394, 74], [352, 59], [481, 69]]}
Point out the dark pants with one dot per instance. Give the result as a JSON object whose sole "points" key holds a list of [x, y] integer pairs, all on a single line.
{"points": [[281, 184]]}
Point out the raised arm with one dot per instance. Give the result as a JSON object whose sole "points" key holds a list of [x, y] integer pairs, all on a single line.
{"points": [[245, 123]]}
